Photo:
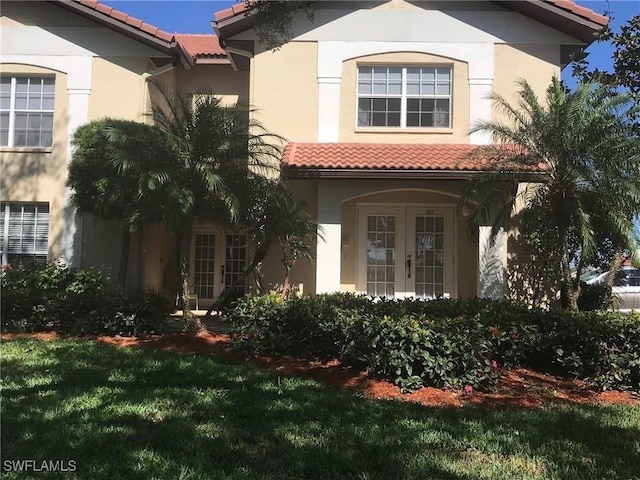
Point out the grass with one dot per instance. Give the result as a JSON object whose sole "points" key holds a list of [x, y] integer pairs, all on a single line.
{"points": [[142, 414]]}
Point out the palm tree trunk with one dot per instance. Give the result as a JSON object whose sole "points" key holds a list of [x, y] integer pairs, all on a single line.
{"points": [[568, 300], [125, 247], [614, 267], [183, 241], [286, 282], [576, 280]]}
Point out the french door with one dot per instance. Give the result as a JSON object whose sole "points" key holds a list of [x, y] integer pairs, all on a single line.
{"points": [[217, 261], [405, 252]]}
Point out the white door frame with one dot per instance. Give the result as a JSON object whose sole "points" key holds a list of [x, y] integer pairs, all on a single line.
{"points": [[218, 259], [405, 233]]}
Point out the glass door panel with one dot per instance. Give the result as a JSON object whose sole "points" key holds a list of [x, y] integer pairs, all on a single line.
{"points": [[235, 261], [381, 255], [204, 265], [429, 254], [405, 252], [430, 239]]}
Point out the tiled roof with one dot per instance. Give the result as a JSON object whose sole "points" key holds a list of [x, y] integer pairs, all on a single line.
{"points": [[200, 46], [584, 12], [567, 5], [231, 11], [126, 19], [380, 156], [585, 32]]}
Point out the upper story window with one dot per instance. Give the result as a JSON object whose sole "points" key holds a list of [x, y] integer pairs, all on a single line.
{"points": [[404, 97], [26, 111]]}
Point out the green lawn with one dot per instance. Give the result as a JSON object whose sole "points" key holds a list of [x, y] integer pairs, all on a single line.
{"points": [[130, 413]]}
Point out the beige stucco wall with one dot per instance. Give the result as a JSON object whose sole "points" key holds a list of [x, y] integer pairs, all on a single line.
{"points": [[465, 253], [38, 174], [459, 133], [303, 272], [158, 259], [23, 13], [220, 79], [536, 64], [284, 90], [118, 88]]}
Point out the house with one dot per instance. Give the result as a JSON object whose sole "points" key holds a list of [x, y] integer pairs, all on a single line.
{"points": [[375, 98]]}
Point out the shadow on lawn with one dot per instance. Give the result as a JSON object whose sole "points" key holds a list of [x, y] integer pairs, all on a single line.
{"points": [[127, 413]]}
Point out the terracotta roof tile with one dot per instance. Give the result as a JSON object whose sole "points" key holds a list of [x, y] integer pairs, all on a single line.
{"points": [[231, 11], [380, 156], [584, 12], [201, 45], [126, 19]]}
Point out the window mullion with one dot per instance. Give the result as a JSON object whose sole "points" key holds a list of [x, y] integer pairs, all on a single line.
{"points": [[403, 99], [12, 112], [21, 235]]}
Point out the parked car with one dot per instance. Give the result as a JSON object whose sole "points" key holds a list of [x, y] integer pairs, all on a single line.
{"points": [[626, 287]]}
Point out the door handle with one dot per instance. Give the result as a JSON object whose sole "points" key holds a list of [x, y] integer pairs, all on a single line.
{"points": [[408, 266], [222, 274]]}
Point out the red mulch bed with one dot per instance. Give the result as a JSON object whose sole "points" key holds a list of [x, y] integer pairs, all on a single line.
{"points": [[519, 387]]}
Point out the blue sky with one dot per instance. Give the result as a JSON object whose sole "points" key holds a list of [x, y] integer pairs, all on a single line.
{"points": [[194, 16]]}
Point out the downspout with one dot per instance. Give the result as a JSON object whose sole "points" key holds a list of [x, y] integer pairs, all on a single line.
{"points": [[144, 94]]}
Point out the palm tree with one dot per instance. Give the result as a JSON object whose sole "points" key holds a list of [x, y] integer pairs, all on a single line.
{"points": [[212, 145], [579, 158]]}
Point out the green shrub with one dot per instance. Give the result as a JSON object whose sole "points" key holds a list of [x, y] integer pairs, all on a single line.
{"points": [[416, 351], [56, 297], [594, 297], [304, 327], [442, 342]]}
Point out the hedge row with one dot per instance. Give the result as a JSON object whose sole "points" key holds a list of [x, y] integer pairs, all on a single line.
{"points": [[55, 297], [442, 343]]}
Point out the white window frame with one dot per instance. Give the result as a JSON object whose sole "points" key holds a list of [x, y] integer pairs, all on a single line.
{"points": [[404, 96], [31, 249], [13, 110]]}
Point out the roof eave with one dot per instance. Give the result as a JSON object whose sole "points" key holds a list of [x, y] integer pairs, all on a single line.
{"points": [[228, 27], [171, 47], [572, 24], [567, 22], [295, 172]]}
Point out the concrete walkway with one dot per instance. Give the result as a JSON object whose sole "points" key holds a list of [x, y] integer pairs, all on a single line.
{"points": [[176, 323]]}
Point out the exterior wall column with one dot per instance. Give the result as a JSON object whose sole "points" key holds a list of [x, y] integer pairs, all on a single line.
{"points": [[479, 107], [72, 229], [490, 264], [328, 248], [328, 109]]}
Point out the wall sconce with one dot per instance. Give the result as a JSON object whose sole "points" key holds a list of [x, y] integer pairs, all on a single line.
{"points": [[465, 210]]}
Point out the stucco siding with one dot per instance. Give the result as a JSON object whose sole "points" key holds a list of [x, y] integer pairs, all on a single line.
{"points": [[536, 64], [284, 91]]}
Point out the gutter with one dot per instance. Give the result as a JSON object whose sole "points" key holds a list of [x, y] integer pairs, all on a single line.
{"points": [[384, 174]]}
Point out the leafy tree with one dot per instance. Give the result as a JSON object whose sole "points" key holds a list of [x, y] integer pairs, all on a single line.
{"points": [[270, 215], [295, 230], [273, 19], [626, 58], [580, 158], [624, 73], [100, 188]]}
